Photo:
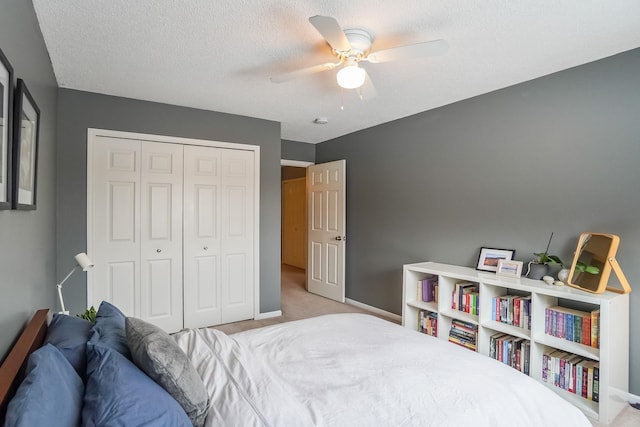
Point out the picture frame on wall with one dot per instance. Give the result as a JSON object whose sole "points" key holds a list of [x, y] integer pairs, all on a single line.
{"points": [[26, 127], [509, 268], [6, 106], [488, 258]]}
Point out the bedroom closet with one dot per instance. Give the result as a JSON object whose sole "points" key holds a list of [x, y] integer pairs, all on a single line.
{"points": [[172, 228]]}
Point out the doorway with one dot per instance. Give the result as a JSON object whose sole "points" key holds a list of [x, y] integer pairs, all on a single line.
{"points": [[294, 216]]}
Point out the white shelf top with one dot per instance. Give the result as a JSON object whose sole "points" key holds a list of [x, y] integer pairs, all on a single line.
{"points": [[520, 283]]}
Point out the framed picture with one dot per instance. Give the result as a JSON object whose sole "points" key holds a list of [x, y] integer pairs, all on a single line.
{"points": [[509, 268], [489, 257], [6, 105], [26, 125]]}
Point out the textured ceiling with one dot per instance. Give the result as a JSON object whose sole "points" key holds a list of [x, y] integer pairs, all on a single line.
{"points": [[219, 55]]}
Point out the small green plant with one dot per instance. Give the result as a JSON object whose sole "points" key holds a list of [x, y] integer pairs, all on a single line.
{"points": [[89, 314], [545, 258]]}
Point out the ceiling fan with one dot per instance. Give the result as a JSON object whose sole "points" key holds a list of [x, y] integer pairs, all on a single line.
{"points": [[353, 45]]}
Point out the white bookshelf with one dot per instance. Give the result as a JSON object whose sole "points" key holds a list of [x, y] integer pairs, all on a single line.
{"points": [[613, 354]]}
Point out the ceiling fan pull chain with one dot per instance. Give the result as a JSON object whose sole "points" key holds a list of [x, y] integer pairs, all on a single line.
{"points": [[341, 99]]}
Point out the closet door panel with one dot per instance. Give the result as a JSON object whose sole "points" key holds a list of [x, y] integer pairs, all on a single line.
{"points": [[161, 235], [237, 235], [201, 244], [115, 224]]}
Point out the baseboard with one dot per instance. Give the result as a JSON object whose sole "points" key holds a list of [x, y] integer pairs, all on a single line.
{"points": [[376, 310], [625, 396], [268, 315]]}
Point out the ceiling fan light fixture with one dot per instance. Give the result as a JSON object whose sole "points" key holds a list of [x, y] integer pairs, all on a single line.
{"points": [[351, 76]]}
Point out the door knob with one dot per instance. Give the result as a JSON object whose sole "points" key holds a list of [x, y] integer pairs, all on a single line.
{"points": [[205, 248], [158, 250], [339, 238]]}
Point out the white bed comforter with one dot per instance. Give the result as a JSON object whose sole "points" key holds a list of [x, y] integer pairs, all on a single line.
{"points": [[358, 370]]}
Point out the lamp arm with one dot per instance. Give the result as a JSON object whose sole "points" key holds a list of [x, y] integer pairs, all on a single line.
{"points": [[59, 286]]}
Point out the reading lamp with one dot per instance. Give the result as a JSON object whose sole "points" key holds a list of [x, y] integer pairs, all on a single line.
{"points": [[83, 262]]}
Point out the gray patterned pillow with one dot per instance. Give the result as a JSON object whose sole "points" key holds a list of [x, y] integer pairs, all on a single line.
{"points": [[158, 355]]}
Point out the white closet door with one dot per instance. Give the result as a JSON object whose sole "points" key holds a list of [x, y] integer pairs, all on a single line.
{"points": [[161, 235], [202, 293], [172, 229], [218, 236], [115, 224], [237, 235]]}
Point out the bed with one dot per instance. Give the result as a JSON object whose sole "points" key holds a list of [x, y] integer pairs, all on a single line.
{"points": [[332, 370]]}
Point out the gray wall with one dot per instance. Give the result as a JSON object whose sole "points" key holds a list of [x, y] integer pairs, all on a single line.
{"points": [[504, 170], [78, 111], [27, 238], [294, 150]]}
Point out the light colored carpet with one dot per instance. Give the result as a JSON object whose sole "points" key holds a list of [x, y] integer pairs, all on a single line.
{"points": [[297, 303]]}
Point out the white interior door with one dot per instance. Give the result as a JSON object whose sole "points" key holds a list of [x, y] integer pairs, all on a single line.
{"points": [[161, 235], [115, 223], [326, 195], [202, 292]]}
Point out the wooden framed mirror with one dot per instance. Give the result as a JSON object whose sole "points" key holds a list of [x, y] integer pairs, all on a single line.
{"points": [[593, 261]]}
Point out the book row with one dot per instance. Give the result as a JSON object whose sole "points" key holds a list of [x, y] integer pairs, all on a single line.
{"points": [[465, 297], [573, 373], [464, 334], [428, 323], [512, 310], [573, 325], [428, 289], [510, 350]]}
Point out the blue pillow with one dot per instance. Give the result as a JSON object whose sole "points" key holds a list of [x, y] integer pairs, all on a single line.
{"points": [[109, 329], [120, 394], [70, 335], [50, 395]]}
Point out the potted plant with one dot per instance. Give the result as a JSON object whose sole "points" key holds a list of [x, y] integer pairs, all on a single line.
{"points": [[89, 314], [544, 264]]}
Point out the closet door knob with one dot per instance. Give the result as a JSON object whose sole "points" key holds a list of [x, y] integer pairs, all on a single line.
{"points": [[206, 247], [158, 250]]}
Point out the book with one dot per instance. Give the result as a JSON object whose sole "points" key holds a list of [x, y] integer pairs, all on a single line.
{"points": [[493, 345], [516, 311], [578, 373], [516, 356], [460, 289], [464, 334], [588, 369], [572, 325], [595, 328], [570, 374], [586, 332], [428, 286], [526, 312], [526, 349], [596, 383]]}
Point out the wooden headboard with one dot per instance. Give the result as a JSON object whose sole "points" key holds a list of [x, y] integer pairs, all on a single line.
{"points": [[12, 370]]}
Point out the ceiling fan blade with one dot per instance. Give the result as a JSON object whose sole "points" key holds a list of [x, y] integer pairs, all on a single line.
{"points": [[329, 28], [304, 72], [418, 50]]}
